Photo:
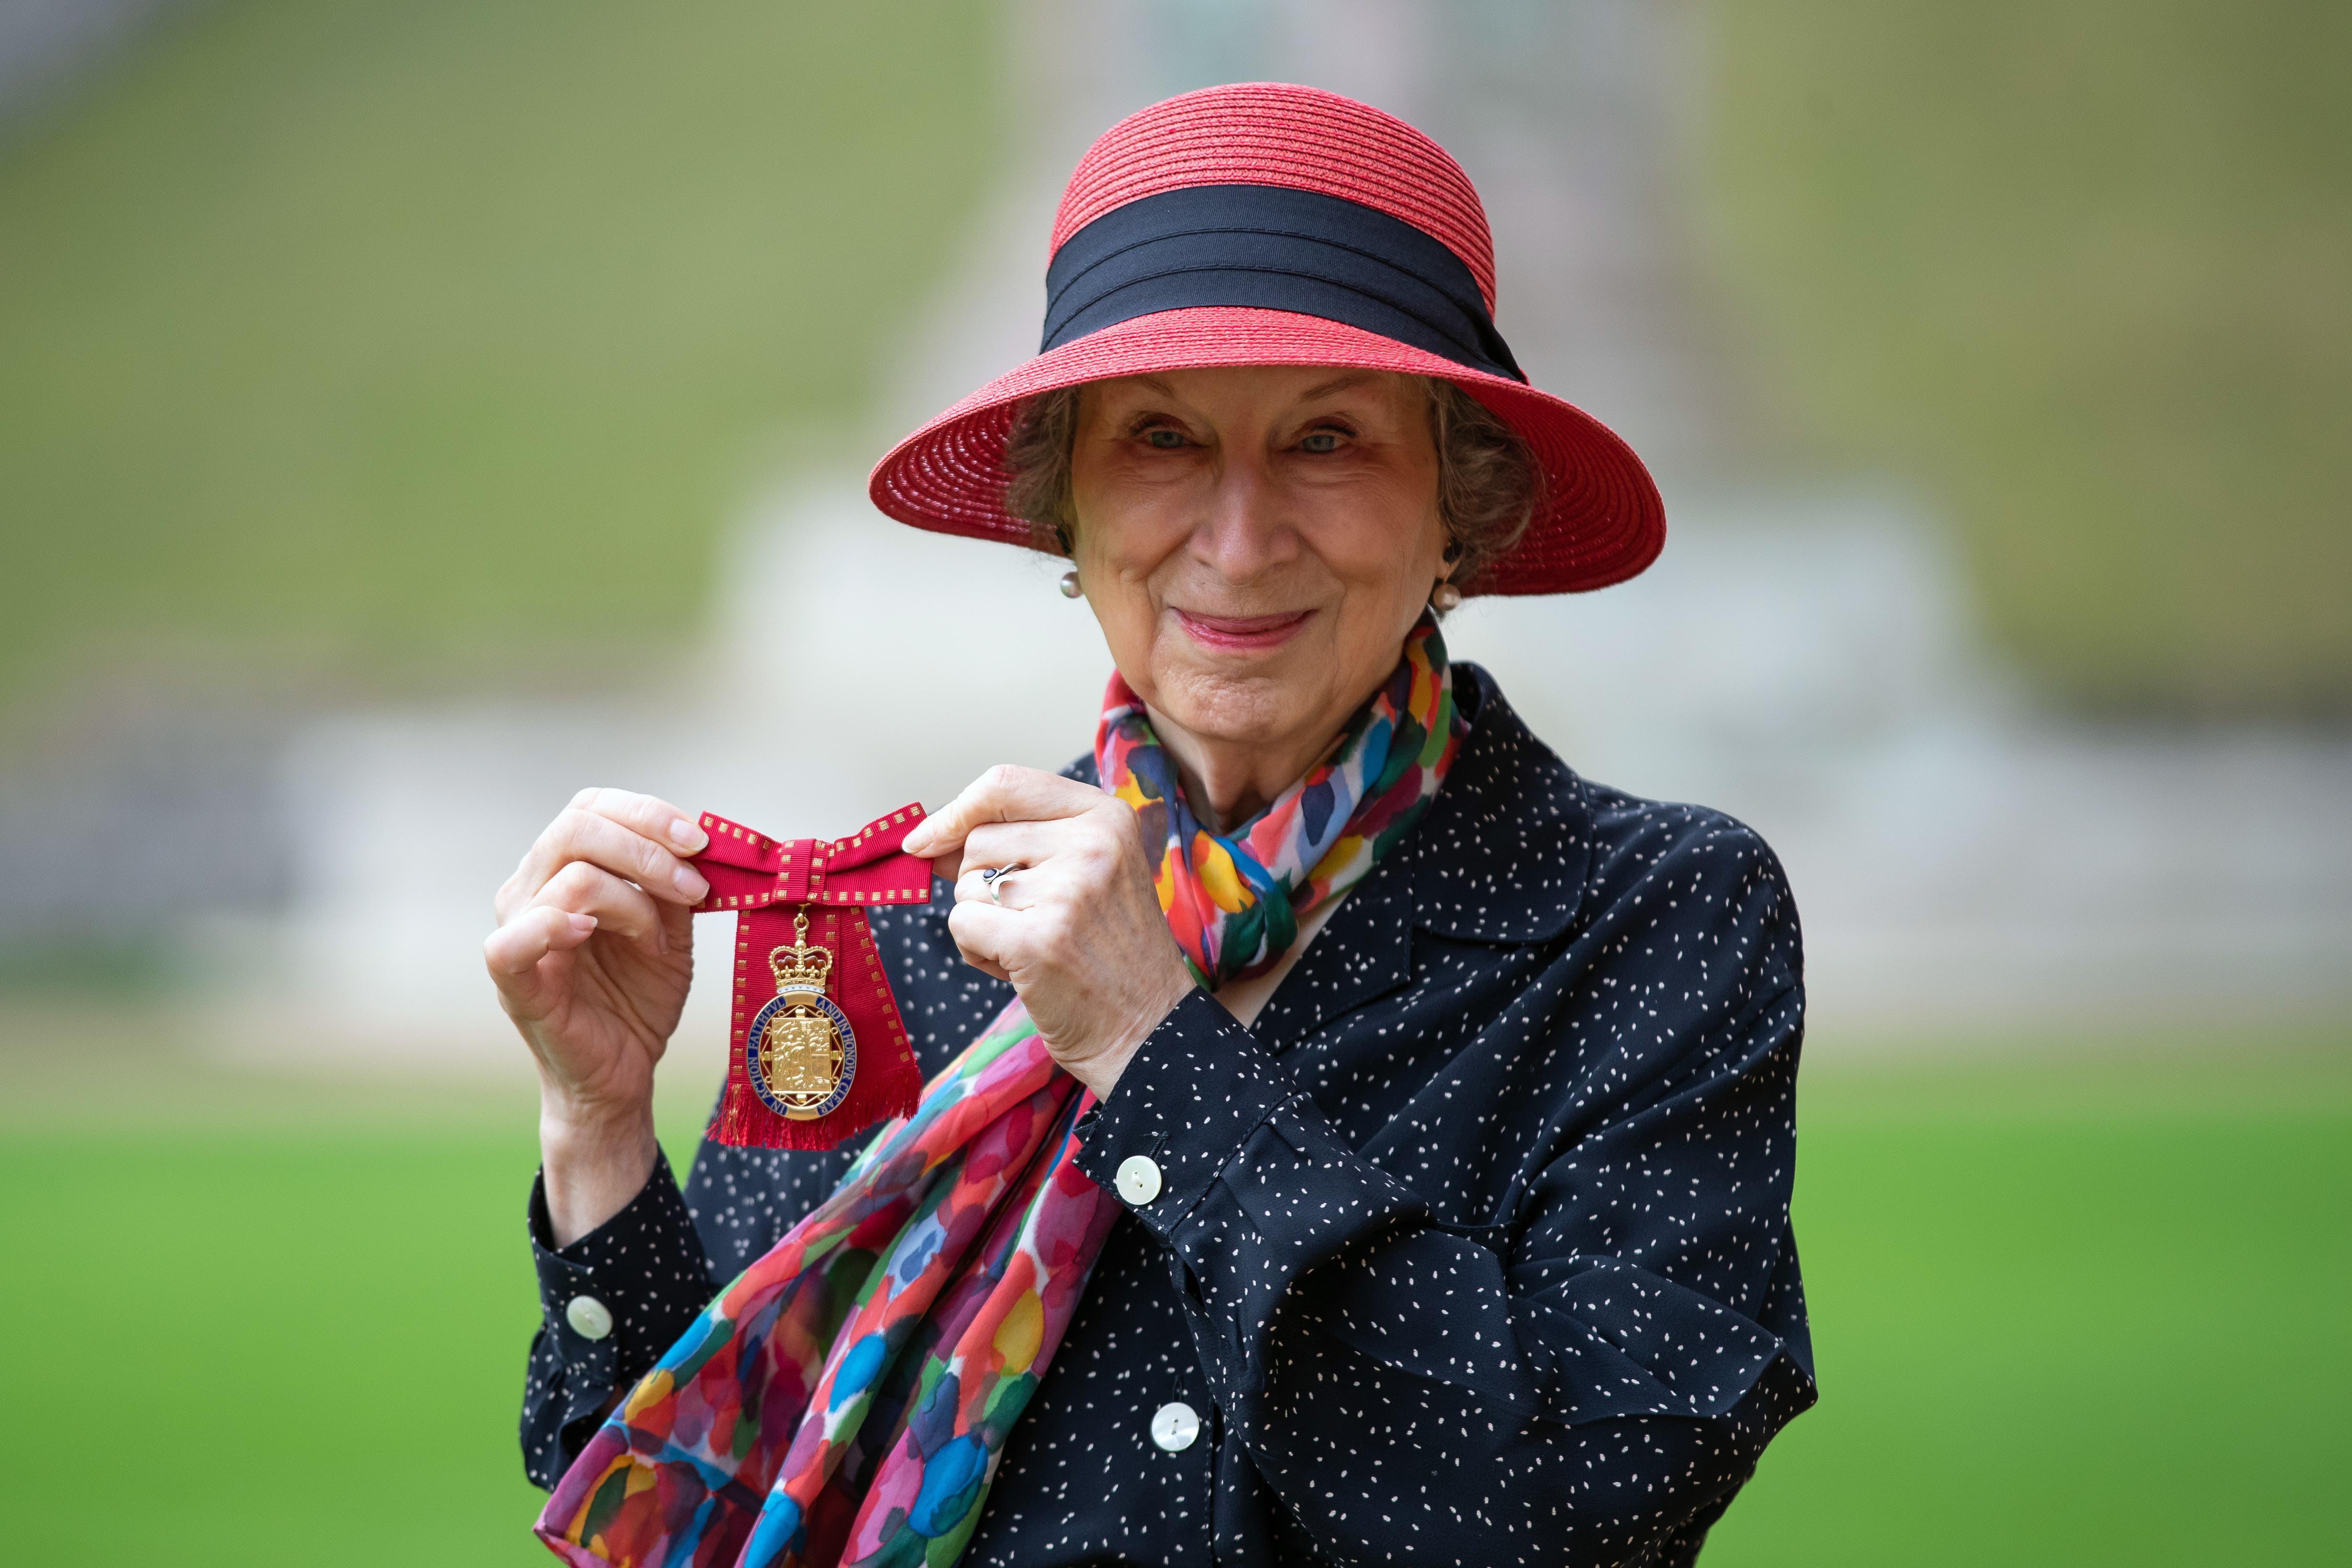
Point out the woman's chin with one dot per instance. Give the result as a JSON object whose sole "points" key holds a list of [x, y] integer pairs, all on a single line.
{"points": [[1238, 701]]}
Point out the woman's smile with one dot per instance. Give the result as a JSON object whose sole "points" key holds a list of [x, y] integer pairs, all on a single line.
{"points": [[1242, 633]]}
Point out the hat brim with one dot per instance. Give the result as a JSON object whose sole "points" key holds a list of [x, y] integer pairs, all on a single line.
{"points": [[1601, 520]]}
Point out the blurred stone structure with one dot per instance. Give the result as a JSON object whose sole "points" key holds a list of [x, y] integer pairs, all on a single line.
{"points": [[1802, 656]]}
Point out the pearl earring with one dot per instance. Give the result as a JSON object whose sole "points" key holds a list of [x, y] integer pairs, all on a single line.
{"points": [[1444, 597], [1070, 589]]}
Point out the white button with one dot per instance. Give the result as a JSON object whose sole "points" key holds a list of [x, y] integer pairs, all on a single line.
{"points": [[1139, 1183], [589, 1318], [1174, 1426]]}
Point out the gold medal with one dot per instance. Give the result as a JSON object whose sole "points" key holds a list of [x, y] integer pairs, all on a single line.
{"points": [[800, 1052]]}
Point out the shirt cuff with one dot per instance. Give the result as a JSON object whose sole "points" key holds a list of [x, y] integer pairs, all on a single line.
{"points": [[1189, 1098], [613, 1301]]}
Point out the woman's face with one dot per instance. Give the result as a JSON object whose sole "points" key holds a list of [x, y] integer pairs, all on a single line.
{"points": [[1257, 541]]}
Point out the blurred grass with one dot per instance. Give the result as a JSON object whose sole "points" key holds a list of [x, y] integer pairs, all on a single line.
{"points": [[388, 340], [278, 1347], [2068, 1306], [2078, 267]]}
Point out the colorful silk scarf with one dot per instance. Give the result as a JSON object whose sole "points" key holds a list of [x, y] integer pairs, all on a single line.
{"points": [[846, 1398]]}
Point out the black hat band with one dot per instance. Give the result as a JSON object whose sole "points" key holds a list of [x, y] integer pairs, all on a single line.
{"points": [[1270, 248]]}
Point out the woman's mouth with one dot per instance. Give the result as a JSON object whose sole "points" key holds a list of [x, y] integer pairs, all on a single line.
{"points": [[1243, 634]]}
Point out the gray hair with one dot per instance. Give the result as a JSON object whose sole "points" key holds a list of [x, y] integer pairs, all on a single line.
{"points": [[1488, 483]]}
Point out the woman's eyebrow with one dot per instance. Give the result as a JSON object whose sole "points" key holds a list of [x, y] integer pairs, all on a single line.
{"points": [[1343, 383]]}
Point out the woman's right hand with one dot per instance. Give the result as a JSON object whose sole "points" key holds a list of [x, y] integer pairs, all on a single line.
{"points": [[592, 956]]}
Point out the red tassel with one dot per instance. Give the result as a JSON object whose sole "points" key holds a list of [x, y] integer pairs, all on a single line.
{"points": [[765, 882]]}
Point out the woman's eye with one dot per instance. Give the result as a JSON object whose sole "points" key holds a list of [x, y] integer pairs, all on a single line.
{"points": [[1165, 439], [1320, 441]]}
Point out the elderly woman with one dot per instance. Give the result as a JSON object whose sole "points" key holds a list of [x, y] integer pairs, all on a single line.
{"points": [[1420, 1190]]}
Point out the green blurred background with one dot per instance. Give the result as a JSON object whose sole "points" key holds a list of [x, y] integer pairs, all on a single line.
{"points": [[350, 351], [359, 335], [306, 304], [2078, 265]]}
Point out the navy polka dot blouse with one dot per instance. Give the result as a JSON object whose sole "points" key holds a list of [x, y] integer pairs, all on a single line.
{"points": [[1473, 1248]]}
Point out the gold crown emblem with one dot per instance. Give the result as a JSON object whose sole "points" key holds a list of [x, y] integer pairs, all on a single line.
{"points": [[802, 966]]}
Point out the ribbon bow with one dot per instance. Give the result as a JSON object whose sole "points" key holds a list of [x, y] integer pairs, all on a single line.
{"points": [[765, 882]]}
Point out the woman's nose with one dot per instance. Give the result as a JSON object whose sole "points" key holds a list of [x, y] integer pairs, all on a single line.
{"points": [[1244, 532]]}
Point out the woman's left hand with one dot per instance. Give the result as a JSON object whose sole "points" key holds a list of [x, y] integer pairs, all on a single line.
{"points": [[1077, 930]]}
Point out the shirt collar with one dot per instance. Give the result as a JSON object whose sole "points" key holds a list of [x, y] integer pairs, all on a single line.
{"points": [[1506, 847], [1501, 856]]}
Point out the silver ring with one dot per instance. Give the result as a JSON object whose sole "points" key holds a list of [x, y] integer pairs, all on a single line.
{"points": [[994, 877]]}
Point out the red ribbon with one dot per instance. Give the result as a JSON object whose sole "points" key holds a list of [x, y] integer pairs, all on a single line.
{"points": [[764, 882]]}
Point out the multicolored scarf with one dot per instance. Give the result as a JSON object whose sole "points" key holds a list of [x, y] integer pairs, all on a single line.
{"points": [[846, 1398], [1233, 900]]}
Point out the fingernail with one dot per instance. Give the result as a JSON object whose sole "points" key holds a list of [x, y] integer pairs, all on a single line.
{"points": [[686, 836], [690, 883], [584, 923]]}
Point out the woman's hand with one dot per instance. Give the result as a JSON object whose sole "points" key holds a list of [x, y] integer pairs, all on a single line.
{"points": [[1078, 932], [592, 956]]}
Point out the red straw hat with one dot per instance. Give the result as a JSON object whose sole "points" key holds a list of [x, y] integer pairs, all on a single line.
{"points": [[1269, 225]]}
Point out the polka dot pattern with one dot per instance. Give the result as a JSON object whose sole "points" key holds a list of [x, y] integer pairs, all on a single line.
{"points": [[651, 1285], [1473, 1248]]}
